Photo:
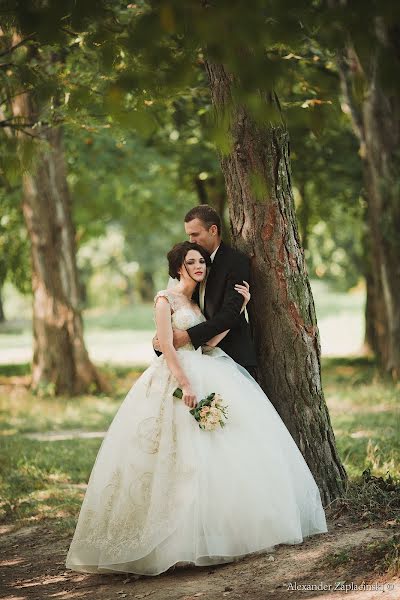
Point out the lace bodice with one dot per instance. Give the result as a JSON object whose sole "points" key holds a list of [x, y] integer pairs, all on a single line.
{"points": [[185, 312]]}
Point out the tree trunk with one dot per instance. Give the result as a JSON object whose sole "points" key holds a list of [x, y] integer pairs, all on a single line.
{"points": [[201, 190], [218, 200], [2, 315], [212, 192], [381, 119], [375, 321], [283, 314], [146, 287], [60, 358], [370, 336], [376, 122]]}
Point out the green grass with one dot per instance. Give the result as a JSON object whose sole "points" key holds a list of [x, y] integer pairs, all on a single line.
{"points": [[365, 415], [42, 480], [15, 370], [329, 301], [21, 412], [45, 480], [138, 317], [336, 559], [380, 557]]}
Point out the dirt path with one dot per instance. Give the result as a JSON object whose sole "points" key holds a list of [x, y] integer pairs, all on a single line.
{"points": [[32, 562]]}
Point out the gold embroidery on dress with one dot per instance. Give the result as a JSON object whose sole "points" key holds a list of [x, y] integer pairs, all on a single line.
{"points": [[148, 434], [132, 504]]}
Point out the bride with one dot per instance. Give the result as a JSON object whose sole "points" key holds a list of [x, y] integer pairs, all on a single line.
{"points": [[164, 490]]}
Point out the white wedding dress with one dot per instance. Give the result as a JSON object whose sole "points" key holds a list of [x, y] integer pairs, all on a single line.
{"points": [[163, 491]]}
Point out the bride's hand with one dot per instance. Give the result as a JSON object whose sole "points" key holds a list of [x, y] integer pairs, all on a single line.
{"points": [[189, 397], [244, 290]]}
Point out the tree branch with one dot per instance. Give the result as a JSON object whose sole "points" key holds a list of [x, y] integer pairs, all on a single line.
{"points": [[69, 32], [8, 98], [9, 123], [32, 135], [9, 50]]}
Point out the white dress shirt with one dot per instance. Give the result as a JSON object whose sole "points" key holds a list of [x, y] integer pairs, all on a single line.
{"points": [[212, 256]]}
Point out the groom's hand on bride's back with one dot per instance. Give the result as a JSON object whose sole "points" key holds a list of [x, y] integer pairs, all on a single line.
{"points": [[181, 338], [156, 344]]}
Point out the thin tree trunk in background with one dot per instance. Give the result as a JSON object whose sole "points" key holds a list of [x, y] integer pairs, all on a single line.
{"points": [[376, 122], [212, 191], [2, 315], [201, 190], [146, 287], [375, 322], [283, 314], [370, 342], [60, 358], [384, 220], [219, 203]]}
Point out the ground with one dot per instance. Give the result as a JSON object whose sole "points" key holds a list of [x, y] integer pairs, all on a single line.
{"points": [[33, 568]]}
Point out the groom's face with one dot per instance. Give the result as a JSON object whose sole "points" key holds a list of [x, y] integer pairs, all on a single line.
{"points": [[199, 234]]}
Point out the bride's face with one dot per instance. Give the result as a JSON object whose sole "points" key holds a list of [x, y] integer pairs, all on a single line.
{"points": [[195, 266]]}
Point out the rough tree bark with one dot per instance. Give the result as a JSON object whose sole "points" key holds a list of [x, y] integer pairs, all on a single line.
{"points": [[60, 357], [376, 122], [283, 314]]}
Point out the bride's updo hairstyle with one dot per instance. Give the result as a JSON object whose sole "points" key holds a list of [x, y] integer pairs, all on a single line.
{"points": [[176, 257]]}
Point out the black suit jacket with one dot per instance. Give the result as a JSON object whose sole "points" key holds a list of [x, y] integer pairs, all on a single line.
{"points": [[222, 306]]}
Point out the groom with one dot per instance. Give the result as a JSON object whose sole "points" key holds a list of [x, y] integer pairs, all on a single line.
{"points": [[216, 296]]}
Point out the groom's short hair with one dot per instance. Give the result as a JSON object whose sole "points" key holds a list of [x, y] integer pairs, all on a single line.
{"points": [[206, 214]]}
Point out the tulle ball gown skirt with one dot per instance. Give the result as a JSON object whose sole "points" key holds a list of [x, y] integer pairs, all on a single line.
{"points": [[163, 491]]}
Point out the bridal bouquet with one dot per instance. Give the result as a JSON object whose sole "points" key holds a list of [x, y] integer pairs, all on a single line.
{"points": [[209, 412]]}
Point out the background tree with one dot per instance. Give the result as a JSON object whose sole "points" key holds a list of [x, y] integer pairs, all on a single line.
{"points": [[60, 358], [370, 84]]}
